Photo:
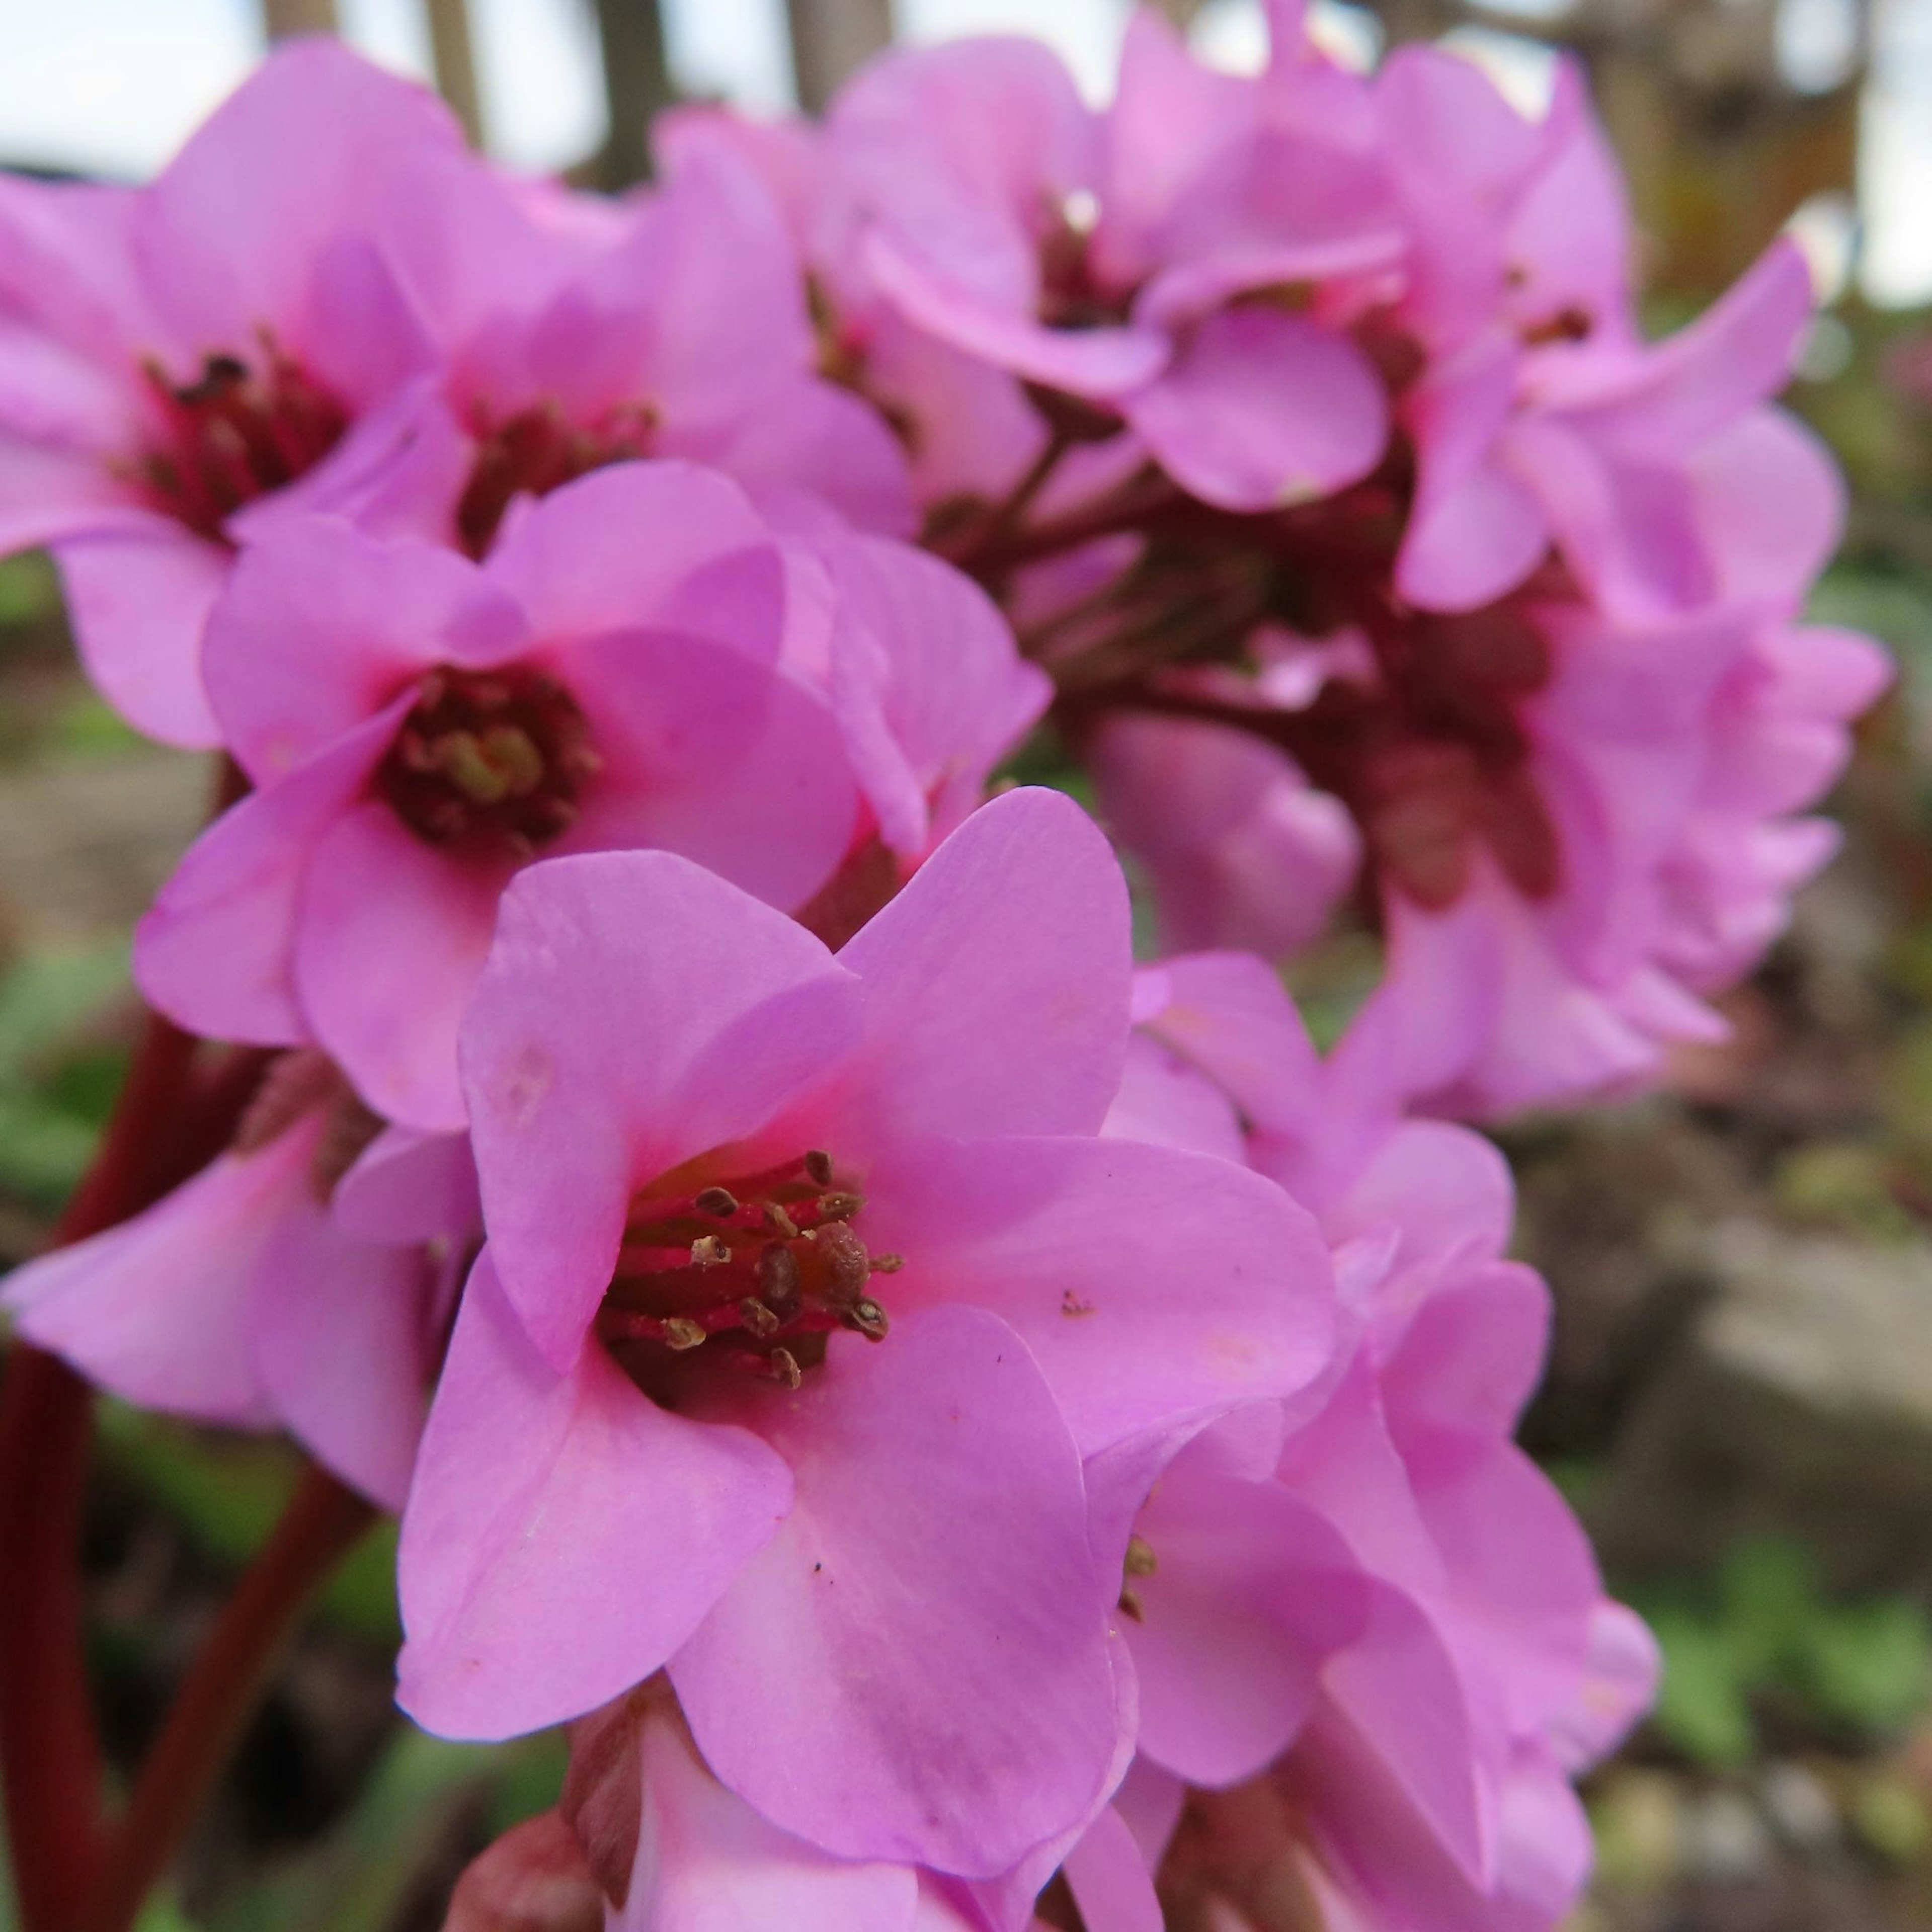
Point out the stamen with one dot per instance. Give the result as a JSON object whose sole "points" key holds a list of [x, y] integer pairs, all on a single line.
{"points": [[490, 761], [786, 1269], [1141, 1560]]}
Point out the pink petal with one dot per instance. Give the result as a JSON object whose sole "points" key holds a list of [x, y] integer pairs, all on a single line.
{"points": [[564, 1535], [1253, 1593], [1101, 364], [1110, 1880], [928, 683], [1164, 1100], [996, 984], [157, 1310], [1704, 377], [139, 600], [1473, 1353], [708, 1862], [816, 437], [337, 1328], [355, 620], [1243, 851], [708, 753], [609, 551], [1771, 505], [215, 950], [1403, 1729], [390, 935], [933, 1581], [1230, 1014], [1150, 1283], [228, 234], [408, 1186], [635, 1011], [1261, 410], [1474, 543]]}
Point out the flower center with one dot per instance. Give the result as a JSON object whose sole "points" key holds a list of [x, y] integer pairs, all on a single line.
{"points": [[536, 451], [749, 1273], [235, 433], [492, 761]]}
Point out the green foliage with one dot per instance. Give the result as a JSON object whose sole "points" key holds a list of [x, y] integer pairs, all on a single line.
{"points": [[58, 1070], [1764, 1640], [224, 1493]]}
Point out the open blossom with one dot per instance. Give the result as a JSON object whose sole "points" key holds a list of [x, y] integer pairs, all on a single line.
{"points": [[411, 337], [180, 362], [418, 727], [808, 1287], [307, 1278], [571, 336], [1366, 1629]]}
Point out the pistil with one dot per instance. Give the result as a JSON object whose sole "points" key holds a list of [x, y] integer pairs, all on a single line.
{"points": [[491, 762]]}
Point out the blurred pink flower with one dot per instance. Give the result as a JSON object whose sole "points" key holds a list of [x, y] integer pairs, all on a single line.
{"points": [[180, 362], [419, 727], [1369, 1596], [306, 1279], [717, 1163]]}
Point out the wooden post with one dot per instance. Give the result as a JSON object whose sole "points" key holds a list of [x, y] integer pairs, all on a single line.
{"points": [[637, 83], [830, 39], [282, 18], [454, 58]]}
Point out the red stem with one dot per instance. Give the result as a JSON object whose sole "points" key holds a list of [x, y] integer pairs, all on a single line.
{"points": [[323, 1521], [49, 1750]]}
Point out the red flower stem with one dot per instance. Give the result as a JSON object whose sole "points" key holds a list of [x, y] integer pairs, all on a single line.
{"points": [[49, 1754], [323, 1521]]}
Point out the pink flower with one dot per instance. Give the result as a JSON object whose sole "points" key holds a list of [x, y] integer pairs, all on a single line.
{"points": [[718, 1163], [419, 726], [1369, 1598], [575, 333], [1669, 762], [179, 362], [306, 1279], [978, 229]]}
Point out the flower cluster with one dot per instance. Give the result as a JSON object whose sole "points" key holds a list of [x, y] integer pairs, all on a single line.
{"points": [[959, 1427]]}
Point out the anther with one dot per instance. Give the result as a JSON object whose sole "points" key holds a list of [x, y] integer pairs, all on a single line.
{"points": [[1132, 1606], [887, 1264], [818, 1166], [785, 1368], [866, 1316], [709, 1251], [779, 1221], [839, 1207], [681, 1333], [1141, 1560], [778, 1278], [720, 1201], [758, 1319]]}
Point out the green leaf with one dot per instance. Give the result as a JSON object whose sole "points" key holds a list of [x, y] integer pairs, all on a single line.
{"points": [[1703, 1709]]}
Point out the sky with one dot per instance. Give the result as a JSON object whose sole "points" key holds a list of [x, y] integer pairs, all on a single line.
{"points": [[114, 85]]}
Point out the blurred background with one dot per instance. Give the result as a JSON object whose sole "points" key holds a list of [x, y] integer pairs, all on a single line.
{"points": [[1741, 1396]]}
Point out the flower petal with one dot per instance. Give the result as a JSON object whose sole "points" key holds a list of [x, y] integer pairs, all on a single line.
{"points": [[1261, 410], [564, 1535], [390, 935], [1150, 1283], [997, 985], [215, 950], [933, 1582]]}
